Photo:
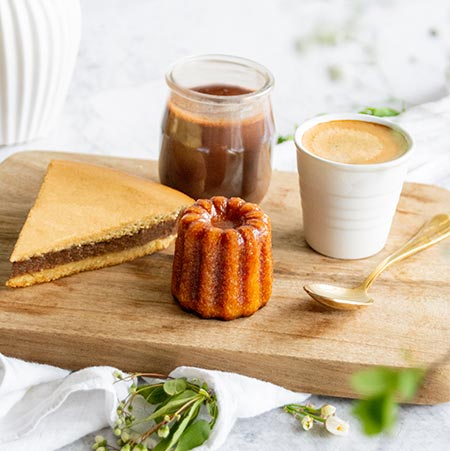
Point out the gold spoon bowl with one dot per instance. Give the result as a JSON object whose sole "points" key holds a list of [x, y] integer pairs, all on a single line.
{"points": [[433, 231]]}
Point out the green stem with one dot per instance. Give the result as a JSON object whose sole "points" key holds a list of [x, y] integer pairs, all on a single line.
{"points": [[148, 433], [298, 409], [311, 410], [130, 397], [317, 418]]}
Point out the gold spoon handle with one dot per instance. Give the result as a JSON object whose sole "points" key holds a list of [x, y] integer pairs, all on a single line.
{"points": [[431, 233]]}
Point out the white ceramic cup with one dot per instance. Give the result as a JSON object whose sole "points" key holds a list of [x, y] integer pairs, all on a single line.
{"points": [[348, 208]]}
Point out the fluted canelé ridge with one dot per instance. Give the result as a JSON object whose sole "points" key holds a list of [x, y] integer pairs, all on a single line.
{"points": [[223, 264]]}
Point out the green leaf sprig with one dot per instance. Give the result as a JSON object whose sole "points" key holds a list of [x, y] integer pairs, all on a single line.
{"points": [[173, 423], [380, 112], [309, 415], [284, 138], [290, 137], [382, 389]]}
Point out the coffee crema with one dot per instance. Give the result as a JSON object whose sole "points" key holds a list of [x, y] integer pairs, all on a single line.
{"points": [[355, 142]]}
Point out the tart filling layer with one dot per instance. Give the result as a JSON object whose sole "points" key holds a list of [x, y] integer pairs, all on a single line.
{"points": [[77, 253]]}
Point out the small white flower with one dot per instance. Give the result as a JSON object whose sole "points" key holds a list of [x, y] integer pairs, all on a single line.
{"points": [[307, 422], [336, 426], [327, 410]]}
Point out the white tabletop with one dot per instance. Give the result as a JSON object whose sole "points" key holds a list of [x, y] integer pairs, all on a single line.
{"points": [[325, 56]]}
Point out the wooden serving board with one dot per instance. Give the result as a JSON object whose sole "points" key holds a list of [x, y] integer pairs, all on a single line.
{"points": [[125, 315]]}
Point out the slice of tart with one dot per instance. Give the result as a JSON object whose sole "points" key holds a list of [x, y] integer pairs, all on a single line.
{"points": [[87, 217]]}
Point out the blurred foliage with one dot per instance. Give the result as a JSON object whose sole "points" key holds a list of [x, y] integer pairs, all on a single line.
{"points": [[380, 112], [382, 389]]}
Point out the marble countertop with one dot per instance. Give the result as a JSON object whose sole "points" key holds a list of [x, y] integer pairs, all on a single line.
{"points": [[326, 56]]}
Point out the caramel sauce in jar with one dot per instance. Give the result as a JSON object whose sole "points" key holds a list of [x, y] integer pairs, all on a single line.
{"points": [[217, 140]]}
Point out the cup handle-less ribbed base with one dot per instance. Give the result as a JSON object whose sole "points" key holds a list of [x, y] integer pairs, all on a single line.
{"points": [[39, 41]]}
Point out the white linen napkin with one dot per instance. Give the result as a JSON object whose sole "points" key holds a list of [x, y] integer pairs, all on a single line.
{"points": [[429, 126], [237, 397], [43, 408]]}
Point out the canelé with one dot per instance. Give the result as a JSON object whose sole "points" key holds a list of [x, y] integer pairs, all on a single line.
{"points": [[223, 264]]}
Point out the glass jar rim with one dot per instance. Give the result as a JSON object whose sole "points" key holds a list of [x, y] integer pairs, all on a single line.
{"points": [[218, 99]]}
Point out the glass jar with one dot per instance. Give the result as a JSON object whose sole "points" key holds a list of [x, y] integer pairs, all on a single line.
{"points": [[218, 129]]}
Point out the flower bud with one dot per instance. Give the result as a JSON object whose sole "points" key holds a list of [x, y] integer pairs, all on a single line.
{"points": [[203, 392], [163, 431], [327, 410], [307, 422], [125, 436]]}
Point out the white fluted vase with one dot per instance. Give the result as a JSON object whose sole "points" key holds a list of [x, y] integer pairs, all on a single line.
{"points": [[39, 42]]}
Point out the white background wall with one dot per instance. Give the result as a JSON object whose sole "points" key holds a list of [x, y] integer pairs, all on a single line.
{"points": [[336, 55]]}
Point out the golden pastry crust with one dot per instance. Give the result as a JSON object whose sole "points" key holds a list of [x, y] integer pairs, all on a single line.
{"points": [[87, 217], [223, 264], [81, 203]]}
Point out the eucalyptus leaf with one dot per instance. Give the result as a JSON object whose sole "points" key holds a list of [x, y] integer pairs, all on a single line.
{"points": [[375, 381], [196, 434], [409, 381], [389, 412], [157, 396], [377, 414], [185, 422], [213, 411], [380, 112], [165, 411], [173, 404], [146, 390], [175, 386]]}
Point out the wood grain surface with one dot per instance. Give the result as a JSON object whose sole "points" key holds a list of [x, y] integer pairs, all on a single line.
{"points": [[125, 315]]}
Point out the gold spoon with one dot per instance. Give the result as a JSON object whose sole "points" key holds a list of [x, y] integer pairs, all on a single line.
{"points": [[340, 298]]}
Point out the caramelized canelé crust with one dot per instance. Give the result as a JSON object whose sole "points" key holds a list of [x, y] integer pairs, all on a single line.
{"points": [[223, 265]]}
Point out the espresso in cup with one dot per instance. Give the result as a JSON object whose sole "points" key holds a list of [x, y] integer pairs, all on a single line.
{"points": [[355, 142], [351, 171]]}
